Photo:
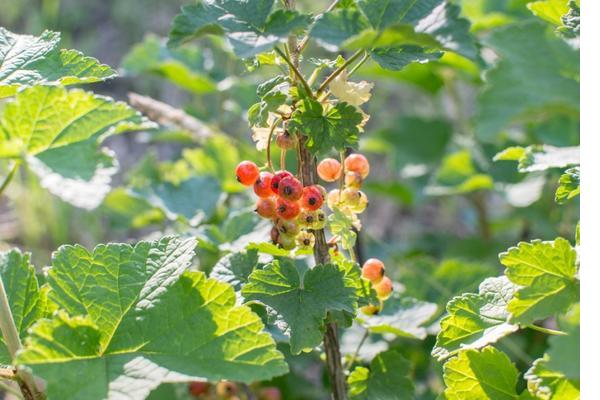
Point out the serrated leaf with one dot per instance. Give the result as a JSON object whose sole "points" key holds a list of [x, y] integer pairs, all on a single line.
{"points": [[249, 26], [547, 77], [194, 199], [272, 94], [486, 374], [332, 29], [540, 157], [547, 274], [23, 294], [235, 268], [397, 57], [386, 378], [341, 224], [549, 10], [568, 185], [46, 117], [335, 127], [438, 18], [302, 301], [137, 319], [79, 173], [476, 320], [563, 353], [546, 384], [402, 316], [33, 60], [181, 66]]}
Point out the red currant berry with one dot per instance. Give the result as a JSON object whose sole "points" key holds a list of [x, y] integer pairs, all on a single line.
{"points": [[278, 177], [287, 242], [247, 173], [198, 389], [290, 188], [357, 163], [373, 270], [266, 208], [286, 140], [329, 170], [270, 393], [226, 389], [384, 288], [262, 186], [353, 180], [274, 235], [287, 209], [288, 226], [312, 198], [370, 309]]}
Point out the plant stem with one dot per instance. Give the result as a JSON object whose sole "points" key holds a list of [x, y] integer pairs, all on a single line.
{"points": [[357, 351], [546, 330], [9, 177], [269, 162], [296, 72], [359, 64], [7, 387], [478, 200], [338, 71]]}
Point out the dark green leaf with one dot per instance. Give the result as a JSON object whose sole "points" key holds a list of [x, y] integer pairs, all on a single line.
{"points": [[388, 377]]}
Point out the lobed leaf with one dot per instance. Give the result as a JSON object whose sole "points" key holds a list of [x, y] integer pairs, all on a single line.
{"points": [[302, 301], [387, 378], [133, 318]]}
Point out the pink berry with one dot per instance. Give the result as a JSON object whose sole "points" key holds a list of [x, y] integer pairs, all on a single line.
{"points": [[373, 270], [312, 198], [290, 188], [262, 186], [266, 208], [287, 209], [279, 175], [357, 163]]}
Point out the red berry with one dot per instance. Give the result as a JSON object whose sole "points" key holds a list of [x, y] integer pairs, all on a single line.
{"points": [[373, 270], [290, 188], [266, 208], [286, 140], [198, 389], [269, 393], [279, 175], [274, 235], [287, 209], [357, 163], [384, 288], [312, 198], [247, 173], [329, 170], [262, 186]]}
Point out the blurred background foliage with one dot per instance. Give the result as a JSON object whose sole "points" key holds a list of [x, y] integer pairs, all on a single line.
{"points": [[440, 208]]}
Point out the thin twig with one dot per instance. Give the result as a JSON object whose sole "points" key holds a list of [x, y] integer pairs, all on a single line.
{"points": [[9, 176], [269, 139], [546, 330], [296, 72], [338, 71], [8, 387], [357, 351]]}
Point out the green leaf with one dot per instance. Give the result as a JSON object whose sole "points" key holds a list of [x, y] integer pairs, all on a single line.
{"points": [[336, 127], [217, 157], [457, 175], [486, 374], [332, 29], [540, 157], [249, 26], [563, 353], [181, 66], [235, 268], [33, 60], [547, 274], [568, 185], [549, 10], [195, 198], [23, 293], [137, 319], [402, 316], [79, 173], [571, 23], [395, 190], [341, 224], [272, 94], [387, 378], [398, 57], [545, 383], [302, 301], [130, 211], [525, 87], [45, 117], [476, 320]]}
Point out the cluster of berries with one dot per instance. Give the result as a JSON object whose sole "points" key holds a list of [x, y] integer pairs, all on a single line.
{"points": [[294, 209], [373, 270], [356, 169], [227, 390]]}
